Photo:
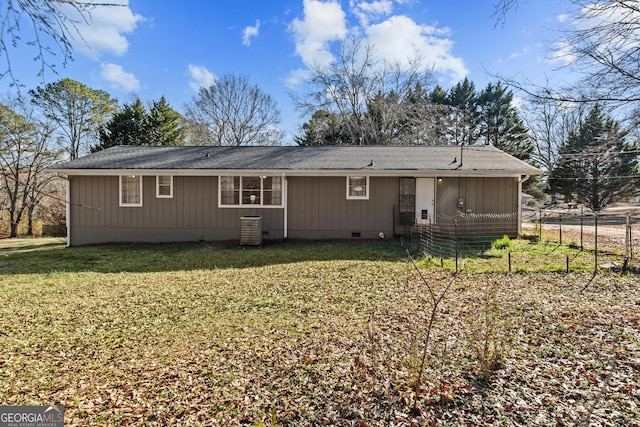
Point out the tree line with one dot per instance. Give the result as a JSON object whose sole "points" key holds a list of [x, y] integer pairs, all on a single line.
{"points": [[586, 156], [569, 132]]}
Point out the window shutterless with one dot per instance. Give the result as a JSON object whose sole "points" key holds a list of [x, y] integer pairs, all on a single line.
{"points": [[358, 187], [130, 190], [247, 191]]}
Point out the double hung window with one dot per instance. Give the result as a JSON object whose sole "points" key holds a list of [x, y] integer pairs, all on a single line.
{"points": [[358, 187], [164, 186], [250, 191], [131, 190]]}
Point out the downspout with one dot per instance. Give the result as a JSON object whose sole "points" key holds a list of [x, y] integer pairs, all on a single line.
{"points": [[286, 208], [67, 203], [520, 181]]}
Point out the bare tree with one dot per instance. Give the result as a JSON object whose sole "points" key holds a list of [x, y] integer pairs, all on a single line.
{"points": [[600, 43], [366, 93], [603, 45], [502, 8], [550, 122], [44, 26], [233, 112], [24, 155]]}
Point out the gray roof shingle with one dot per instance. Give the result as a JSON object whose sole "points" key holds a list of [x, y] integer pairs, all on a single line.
{"points": [[292, 158]]}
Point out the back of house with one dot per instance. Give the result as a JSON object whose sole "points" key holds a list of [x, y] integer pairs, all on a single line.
{"points": [[177, 194]]}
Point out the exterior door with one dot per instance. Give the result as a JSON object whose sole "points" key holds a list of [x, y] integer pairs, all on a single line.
{"points": [[425, 201]]}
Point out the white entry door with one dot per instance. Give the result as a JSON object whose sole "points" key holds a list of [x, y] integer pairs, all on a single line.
{"points": [[425, 201]]}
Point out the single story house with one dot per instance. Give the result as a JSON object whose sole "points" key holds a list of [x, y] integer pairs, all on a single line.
{"points": [[173, 194]]}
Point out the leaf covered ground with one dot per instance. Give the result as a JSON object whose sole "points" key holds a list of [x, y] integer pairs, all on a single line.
{"points": [[303, 334]]}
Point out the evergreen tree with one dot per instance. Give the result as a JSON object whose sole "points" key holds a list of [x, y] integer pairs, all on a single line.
{"points": [[127, 127], [463, 100], [438, 96], [500, 123], [163, 124], [324, 128], [425, 117], [596, 165], [133, 125]]}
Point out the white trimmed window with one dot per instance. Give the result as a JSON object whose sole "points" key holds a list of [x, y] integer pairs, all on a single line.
{"points": [[164, 186], [131, 190], [358, 187], [247, 191]]}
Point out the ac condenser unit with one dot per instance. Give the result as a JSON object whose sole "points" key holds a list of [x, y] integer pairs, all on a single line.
{"points": [[251, 230]]}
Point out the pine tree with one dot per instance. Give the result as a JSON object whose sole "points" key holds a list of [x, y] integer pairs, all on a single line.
{"points": [[324, 128], [127, 127], [133, 125], [500, 123], [596, 165], [163, 125], [464, 102]]}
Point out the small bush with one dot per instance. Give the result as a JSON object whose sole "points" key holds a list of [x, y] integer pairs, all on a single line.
{"points": [[501, 243]]}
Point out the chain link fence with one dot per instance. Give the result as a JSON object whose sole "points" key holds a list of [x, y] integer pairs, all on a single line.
{"points": [[567, 239]]}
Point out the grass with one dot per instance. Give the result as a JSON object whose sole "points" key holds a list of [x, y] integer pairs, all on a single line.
{"points": [[309, 333]]}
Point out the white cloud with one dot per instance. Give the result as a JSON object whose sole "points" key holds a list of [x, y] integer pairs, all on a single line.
{"points": [[249, 33], [563, 52], [562, 17], [322, 23], [399, 39], [396, 39], [365, 11], [200, 77], [101, 28], [296, 77], [119, 78]]}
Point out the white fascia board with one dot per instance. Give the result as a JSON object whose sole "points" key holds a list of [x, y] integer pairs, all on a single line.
{"points": [[272, 172]]}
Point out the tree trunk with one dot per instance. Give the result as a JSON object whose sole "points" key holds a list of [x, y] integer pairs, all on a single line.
{"points": [[14, 230], [30, 223]]}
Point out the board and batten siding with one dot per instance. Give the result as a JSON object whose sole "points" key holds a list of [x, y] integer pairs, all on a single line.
{"points": [[318, 208], [491, 203], [191, 215]]}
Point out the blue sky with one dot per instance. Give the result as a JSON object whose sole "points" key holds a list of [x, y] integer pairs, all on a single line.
{"points": [[149, 48]]}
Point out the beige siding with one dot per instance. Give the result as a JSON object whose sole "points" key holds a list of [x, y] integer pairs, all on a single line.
{"points": [[318, 208], [192, 214]]}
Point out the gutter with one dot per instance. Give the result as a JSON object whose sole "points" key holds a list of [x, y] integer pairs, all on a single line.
{"points": [[67, 203], [523, 178], [490, 173], [285, 202]]}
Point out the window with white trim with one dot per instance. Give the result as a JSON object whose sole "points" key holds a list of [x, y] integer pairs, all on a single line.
{"points": [[250, 191], [358, 187], [131, 190], [164, 186]]}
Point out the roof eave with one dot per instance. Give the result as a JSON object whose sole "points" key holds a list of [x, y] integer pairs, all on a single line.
{"points": [[320, 172]]}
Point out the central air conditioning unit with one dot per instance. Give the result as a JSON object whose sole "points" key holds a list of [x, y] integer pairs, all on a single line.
{"points": [[251, 230]]}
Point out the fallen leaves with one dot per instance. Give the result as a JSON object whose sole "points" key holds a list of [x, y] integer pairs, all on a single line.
{"points": [[318, 343]]}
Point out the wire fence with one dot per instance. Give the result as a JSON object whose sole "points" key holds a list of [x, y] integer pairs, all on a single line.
{"points": [[566, 239]]}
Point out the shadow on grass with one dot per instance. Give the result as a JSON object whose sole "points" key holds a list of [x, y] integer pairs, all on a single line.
{"points": [[47, 255]]}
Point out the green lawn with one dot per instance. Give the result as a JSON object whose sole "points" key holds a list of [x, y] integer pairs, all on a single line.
{"points": [[310, 333]]}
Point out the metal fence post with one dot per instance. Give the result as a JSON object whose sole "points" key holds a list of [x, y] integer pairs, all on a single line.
{"points": [[455, 232], [631, 242], [595, 218], [560, 227], [540, 223], [627, 238], [581, 227]]}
